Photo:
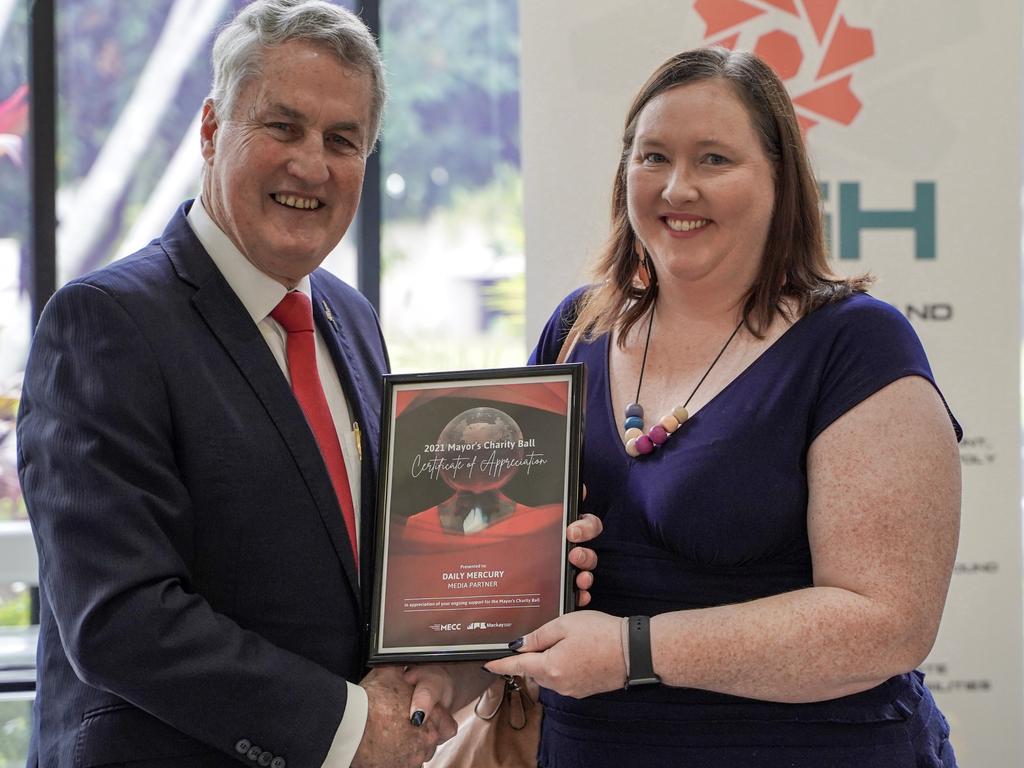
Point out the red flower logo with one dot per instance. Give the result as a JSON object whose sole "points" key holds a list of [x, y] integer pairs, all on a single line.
{"points": [[818, 50]]}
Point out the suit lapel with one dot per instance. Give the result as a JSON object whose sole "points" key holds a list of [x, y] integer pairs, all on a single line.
{"points": [[233, 327], [331, 322]]}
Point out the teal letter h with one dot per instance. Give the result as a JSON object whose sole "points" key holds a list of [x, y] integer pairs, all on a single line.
{"points": [[921, 219]]}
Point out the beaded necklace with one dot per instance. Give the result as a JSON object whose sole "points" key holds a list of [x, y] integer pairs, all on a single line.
{"points": [[639, 443]]}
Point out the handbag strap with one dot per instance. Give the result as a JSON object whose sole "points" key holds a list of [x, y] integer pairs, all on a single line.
{"points": [[509, 692], [490, 701]]}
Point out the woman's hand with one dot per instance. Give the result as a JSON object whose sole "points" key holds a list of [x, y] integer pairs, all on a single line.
{"points": [[586, 528], [445, 686], [576, 655]]}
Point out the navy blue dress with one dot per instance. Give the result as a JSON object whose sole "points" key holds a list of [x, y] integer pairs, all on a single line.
{"points": [[718, 515]]}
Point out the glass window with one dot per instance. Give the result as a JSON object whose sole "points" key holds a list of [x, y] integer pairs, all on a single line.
{"points": [[15, 726], [17, 643], [17, 561], [132, 80], [14, 241], [452, 272]]}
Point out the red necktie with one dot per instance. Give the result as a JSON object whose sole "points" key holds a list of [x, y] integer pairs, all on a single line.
{"points": [[295, 314]]}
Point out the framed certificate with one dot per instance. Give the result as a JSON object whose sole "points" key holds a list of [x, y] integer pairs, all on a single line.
{"points": [[479, 477]]}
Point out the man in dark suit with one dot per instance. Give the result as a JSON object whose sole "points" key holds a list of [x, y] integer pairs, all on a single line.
{"points": [[202, 601]]}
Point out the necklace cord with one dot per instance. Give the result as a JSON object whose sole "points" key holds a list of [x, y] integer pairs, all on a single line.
{"points": [[640, 443], [643, 363], [719, 355]]}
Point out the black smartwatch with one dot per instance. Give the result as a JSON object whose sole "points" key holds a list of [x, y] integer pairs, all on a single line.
{"points": [[641, 668]]}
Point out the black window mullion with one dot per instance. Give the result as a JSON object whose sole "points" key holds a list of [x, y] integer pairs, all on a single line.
{"points": [[42, 78], [368, 254]]}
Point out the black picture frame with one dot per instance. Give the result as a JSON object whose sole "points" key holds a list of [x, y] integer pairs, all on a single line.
{"points": [[479, 476]]}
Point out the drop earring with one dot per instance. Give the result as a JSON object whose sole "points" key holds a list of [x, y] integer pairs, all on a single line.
{"points": [[643, 273]]}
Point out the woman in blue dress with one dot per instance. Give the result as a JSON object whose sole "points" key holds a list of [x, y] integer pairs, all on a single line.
{"points": [[775, 468]]}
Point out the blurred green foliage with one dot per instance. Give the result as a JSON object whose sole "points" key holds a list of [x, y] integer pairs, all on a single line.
{"points": [[453, 116], [15, 723], [14, 611]]}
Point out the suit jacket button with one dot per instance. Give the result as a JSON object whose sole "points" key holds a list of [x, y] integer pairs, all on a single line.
{"points": [[277, 762], [265, 759], [242, 746], [254, 752]]}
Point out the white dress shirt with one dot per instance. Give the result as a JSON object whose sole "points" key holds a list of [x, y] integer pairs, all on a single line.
{"points": [[259, 294]]}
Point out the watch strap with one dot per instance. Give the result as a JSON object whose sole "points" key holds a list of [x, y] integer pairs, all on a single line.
{"points": [[641, 667]]}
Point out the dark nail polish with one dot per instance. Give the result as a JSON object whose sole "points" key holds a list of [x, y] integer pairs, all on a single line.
{"points": [[417, 717], [516, 644]]}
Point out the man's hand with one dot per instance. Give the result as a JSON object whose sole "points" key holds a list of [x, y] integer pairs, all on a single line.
{"points": [[587, 527], [390, 740]]}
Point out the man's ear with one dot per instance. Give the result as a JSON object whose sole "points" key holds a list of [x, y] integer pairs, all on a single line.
{"points": [[208, 131]]}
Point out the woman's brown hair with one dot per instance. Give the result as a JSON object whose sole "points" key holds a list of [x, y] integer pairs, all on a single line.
{"points": [[795, 264]]}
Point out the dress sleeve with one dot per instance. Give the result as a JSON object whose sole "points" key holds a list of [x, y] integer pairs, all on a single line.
{"points": [[556, 329], [873, 346]]}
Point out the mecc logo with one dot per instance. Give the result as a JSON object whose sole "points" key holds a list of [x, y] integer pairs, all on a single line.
{"points": [[472, 625], [814, 49], [446, 627]]}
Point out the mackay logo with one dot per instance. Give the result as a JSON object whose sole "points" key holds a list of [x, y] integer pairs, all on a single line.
{"points": [[808, 43]]}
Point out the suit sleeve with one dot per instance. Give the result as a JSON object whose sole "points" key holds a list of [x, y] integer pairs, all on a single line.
{"points": [[115, 529]]}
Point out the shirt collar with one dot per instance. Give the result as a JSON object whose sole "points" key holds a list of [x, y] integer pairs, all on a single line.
{"points": [[258, 292]]}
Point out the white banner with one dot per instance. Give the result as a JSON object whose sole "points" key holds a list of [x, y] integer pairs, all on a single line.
{"points": [[912, 113]]}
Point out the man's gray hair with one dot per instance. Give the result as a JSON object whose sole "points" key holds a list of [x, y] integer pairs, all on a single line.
{"points": [[238, 50]]}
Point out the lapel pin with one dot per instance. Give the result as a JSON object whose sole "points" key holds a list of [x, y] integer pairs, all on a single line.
{"points": [[328, 314]]}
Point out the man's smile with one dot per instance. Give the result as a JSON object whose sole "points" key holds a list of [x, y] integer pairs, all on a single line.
{"points": [[295, 201]]}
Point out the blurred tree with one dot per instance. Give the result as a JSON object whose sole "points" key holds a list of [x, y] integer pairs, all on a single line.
{"points": [[453, 118], [103, 47], [14, 180]]}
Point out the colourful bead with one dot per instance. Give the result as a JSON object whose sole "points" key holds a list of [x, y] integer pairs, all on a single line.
{"points": [[680, 413], [658, 434], [644, 444], [670, 423], [632, 434], [633, 422], [631, 448], [634, 409]]}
